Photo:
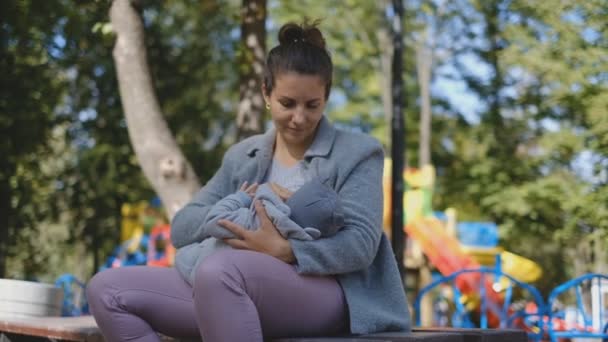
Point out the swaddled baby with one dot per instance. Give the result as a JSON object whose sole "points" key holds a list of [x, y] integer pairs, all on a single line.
{"points": [[311, 212]]}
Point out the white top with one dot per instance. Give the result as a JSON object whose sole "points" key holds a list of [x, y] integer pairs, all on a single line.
{"points": [[291, 178]]}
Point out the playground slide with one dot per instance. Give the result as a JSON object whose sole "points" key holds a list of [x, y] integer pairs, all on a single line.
{"points": [[442, 249], [445, 254], [522, 269]]}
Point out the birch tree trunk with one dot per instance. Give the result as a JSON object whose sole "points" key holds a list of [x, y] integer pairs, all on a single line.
{"points": [[161, 159], [250, 115]]}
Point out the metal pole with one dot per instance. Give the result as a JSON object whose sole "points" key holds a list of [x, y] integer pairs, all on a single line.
{"points": [[397, 142]]}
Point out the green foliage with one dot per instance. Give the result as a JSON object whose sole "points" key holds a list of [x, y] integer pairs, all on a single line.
{"points": [[528, 163], [32, 87], [533, 158], [62, 73]]}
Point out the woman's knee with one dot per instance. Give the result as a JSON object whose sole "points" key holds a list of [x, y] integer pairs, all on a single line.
{"points": [[217, 272], [100, 292], [238, 265], [237, 271]]}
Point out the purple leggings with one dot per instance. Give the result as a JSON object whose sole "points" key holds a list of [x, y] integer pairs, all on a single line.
{"points": [[238, 296]]}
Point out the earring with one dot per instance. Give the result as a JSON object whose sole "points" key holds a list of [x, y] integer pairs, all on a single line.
{"points": [[267, 106]]}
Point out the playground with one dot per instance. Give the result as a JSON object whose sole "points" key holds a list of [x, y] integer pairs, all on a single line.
{"points": [[460, 276]]}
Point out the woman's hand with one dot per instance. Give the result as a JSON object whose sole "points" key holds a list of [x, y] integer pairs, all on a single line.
{"points": [[265, 240], [249, 189]]}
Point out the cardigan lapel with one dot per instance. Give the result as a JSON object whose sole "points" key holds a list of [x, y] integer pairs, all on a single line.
{"points": [[262, 153], [324, 140], [263, 149]]}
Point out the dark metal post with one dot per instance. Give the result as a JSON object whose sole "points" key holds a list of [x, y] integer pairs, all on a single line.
{"points": [[397, 138]]}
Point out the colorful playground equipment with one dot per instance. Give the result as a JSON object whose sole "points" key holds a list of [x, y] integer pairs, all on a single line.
{"points": [[481, 284], [145, 240], [588, 317], [74, 299], [160, 250], [145, 237], [487, 311], [480, 241], [452, 247]]}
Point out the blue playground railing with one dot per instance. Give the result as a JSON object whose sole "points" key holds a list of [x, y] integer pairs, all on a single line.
{"points": [[74, 299], [508, 317], [586, 324]]}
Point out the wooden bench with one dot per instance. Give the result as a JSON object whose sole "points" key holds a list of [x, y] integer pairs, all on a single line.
{"points": [[84, 329], [34, 329], [481, 335], [384, 337]]}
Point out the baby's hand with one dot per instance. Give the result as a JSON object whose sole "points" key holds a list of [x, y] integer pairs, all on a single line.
{"points": [[282, 192], [249, 189]]}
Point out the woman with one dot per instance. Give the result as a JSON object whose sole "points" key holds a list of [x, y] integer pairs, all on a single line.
{"points": [[266, 285]]}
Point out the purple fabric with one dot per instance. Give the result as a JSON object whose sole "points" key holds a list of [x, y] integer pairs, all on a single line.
{"points": [[237, 296]]}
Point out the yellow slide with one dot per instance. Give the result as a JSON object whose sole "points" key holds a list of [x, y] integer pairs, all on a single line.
{"points": [[523, 269]]}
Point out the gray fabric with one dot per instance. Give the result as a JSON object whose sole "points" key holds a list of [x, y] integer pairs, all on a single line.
{"points": [[359, 254], [317, 205], [291, 178], [242, 211], [239, 208]]}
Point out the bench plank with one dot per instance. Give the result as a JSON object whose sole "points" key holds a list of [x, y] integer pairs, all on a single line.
{"points": [[437, 336], [482, 335], [84, 329], [80, 329], [383, 337]]}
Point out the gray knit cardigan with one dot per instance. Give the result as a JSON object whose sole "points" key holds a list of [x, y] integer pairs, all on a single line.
{"points": [[359, 255]]}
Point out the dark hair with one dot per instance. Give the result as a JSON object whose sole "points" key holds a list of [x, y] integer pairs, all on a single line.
{"points": [[301, 49]]}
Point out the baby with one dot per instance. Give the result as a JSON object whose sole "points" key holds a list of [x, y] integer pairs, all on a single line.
{"points": [[311, 212]]}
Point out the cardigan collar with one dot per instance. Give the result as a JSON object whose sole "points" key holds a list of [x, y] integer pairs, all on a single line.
{"points": [[320, 147], [263, 148]]}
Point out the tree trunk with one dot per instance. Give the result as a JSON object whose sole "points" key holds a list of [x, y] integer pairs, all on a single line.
{"points": [[599, 252], [386, 59], [397, 135], [505, 145], [5, 224], [250, 115], [423, 67], [162, 161]]}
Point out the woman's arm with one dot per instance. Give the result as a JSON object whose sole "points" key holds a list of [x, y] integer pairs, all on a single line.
{"points": [[234, 208], [354, 246], [187, 225], [266, 239]]}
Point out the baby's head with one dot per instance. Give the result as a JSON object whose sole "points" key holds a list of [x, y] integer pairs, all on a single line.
{"points": [[316, 205]]}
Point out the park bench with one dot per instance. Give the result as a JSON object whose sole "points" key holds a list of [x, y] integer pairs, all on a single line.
{"points": [[38, 329], [84, 329]]}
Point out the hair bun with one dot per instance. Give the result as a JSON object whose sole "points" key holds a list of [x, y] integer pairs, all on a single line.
{"points": [[291, 33]]}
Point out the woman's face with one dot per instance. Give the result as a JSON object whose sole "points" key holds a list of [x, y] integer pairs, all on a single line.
{"points": [[296, 106]]}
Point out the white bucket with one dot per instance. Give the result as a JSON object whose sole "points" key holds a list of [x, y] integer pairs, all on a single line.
{"points": [[20, 298]]}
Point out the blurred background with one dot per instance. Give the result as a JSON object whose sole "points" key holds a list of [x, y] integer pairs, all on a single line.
{"points": [[515, 94]]}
